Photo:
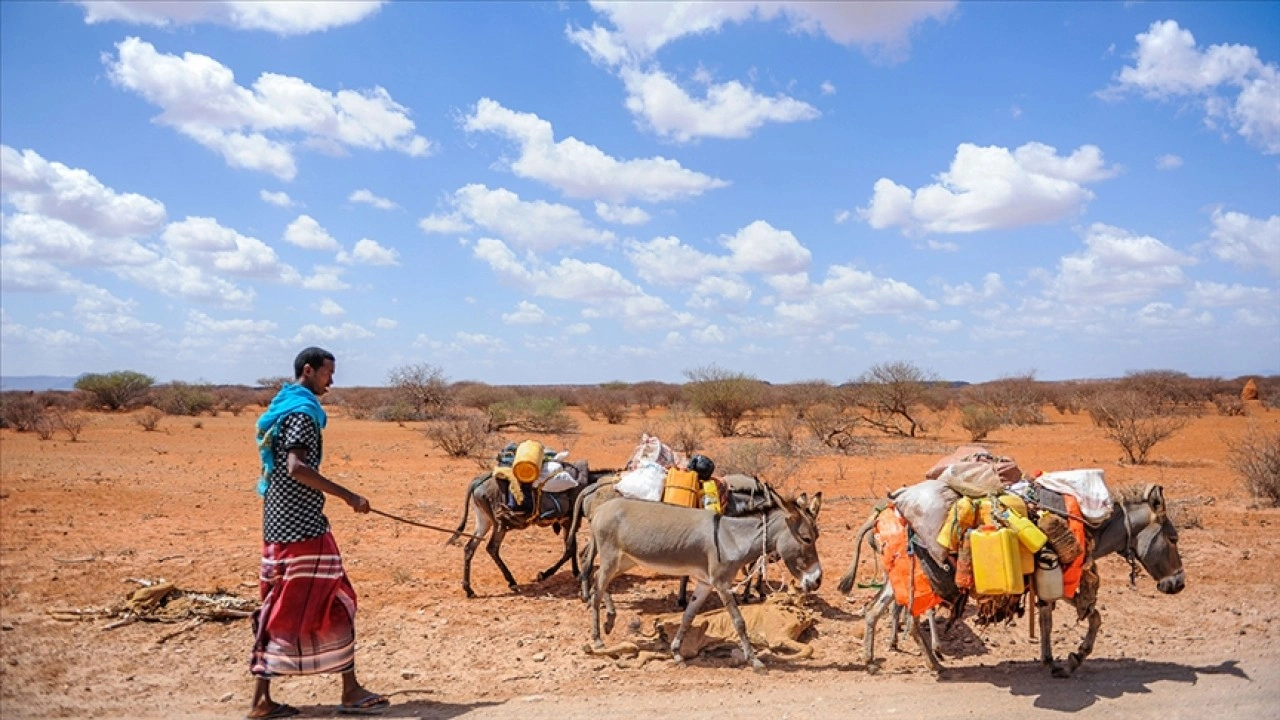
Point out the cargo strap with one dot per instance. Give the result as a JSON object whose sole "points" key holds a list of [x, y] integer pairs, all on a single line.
{"points": [[1128, 553]]}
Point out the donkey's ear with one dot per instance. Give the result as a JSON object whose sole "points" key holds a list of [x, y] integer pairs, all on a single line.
{"points": [[801, 501], [1155, 497], [815, 504]]}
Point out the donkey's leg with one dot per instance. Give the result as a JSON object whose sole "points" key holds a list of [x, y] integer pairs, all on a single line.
{"points": [[701, 591], [569, 554], [1086, 646], [494, 544], [925, 648], [604, 575], [484, 519], [749, 654], [934, 643], [1046, 629], [682, 595], [896, 625], [584, 577], [878, 606]]}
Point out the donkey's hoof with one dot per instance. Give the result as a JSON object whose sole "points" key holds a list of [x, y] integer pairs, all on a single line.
{"points": [[758, 666], [1060, 672], [470, 593]]}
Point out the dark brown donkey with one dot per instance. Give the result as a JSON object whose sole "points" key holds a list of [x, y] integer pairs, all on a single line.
{"points": [[488, 495]]}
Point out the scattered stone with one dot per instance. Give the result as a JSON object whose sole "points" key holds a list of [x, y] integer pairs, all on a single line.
{"points": [[226, 697], [539, 657], [408, 674]]}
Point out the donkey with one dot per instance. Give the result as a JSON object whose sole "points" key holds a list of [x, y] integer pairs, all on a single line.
{"points": [[710, 548], [487, 494], [746, 494], [1138, 529]]}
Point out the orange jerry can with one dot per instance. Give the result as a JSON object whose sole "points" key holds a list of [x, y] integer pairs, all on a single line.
{"points": [[682, 488]]}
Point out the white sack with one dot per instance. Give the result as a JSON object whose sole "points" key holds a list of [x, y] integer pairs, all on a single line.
{"points": [[645, 482], [1087, 486]]}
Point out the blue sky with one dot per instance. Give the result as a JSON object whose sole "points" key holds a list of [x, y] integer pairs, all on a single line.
{"points": [[579, 193]]}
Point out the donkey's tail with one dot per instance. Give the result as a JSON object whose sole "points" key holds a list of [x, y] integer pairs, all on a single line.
{"points": [[846, 582], [466, 509]]}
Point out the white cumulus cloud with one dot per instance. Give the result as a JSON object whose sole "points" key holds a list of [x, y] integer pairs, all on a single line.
{"points": [[529, 225], [35, 185], [581, 170], [297, 17], [1247, 242], [307, 233], [1232, 84], [992, 188], [368, 198], [258, 127]]}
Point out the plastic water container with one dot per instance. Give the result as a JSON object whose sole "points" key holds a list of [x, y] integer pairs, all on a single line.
{"points": [[1031, 537], [681, 488], [997, 567], [711, 496], [959, 519], [1048, 576], [528, 462]]}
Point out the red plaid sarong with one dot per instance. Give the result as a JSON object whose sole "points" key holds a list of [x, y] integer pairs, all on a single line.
{"points": [[306, 624]]}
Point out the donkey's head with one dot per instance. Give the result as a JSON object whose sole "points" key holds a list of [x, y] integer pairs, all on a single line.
{"points": [[1151, 538], [798, 546]]}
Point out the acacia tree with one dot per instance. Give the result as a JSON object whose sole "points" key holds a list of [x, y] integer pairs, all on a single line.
{"points": [[723, 395], [116, 390], [891, 395], [1133, 421], [423, 386]]}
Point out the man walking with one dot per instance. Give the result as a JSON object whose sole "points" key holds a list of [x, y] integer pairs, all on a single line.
{"points": [[306, 624]]}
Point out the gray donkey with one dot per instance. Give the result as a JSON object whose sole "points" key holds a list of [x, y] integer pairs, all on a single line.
{"points": [[711, 549]]}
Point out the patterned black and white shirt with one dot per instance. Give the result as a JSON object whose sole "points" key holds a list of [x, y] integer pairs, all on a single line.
{"points": [[292, 511]]}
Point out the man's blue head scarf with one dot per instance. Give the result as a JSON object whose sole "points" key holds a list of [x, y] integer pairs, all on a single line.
{"points": [[292, 398]]}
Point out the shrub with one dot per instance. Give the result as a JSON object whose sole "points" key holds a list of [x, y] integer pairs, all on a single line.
{"points": [[233, 399], [784, 431], [1016, 400], [1129, 418], [360, 402], [652, 394], [149, 418], [179, 398], [424, 387], [273, 384], [1169, 389], [44, 427], [118, 390], [979, 421], [1229, 405], [683, 431], [531, 414], [890, 396], [20, 411], [462, 436], [722, 395], [826, 422], [397, 412], [71, 422], [1256, 459], [603, 402], [480, 396], [753, 459]]}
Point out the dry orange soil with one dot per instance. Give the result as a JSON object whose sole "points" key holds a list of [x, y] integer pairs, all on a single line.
{"points": [[80, 520]]}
